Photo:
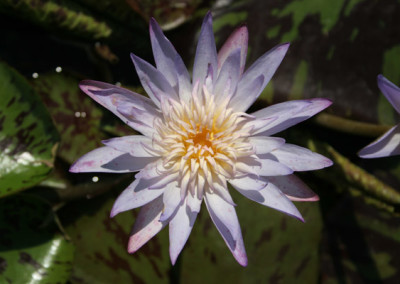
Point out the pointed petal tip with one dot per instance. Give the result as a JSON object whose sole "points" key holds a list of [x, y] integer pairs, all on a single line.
{"points": [[243, 262], [173, 257], [73, 169], [307, 199]]}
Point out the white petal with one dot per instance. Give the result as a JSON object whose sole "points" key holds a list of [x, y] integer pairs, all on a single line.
{"points": [[168, 61], [386, 145], [265, 144], [134, 145], [248, 183], [109, 160], [153, 81], [391, 92], [238, 39], [147, 225], [230, 72], [272, 168], [299, 159], [171, 199], [179, 230], [112, 97], [294, 188], [224, 217], [206, 52], [134, 196], [264, 66], [272, 197], [288, 114]]}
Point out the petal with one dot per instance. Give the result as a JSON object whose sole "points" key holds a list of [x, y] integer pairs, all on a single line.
{"points": [[237, 40], [206, 52], [272, 168], [147, 225], [391, 92], [171, 199], [254, 85], [112, 97], [224, 217], [265, 144], [289, 113], [179, 230], [248, 183], [266, 66], [167, 60], [300, 159], [272, 197], [153, 81], [229, 73], [185, 87], [109, 160], [134, 196], [386, 145], [294, 188], [134, 145]]}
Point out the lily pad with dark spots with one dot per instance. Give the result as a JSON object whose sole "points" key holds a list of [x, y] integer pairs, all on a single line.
{"points": [[76, 116], [31, 248], [28, 138]]}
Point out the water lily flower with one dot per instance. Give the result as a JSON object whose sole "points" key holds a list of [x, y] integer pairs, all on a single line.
{"points": [[197, 139], [389, 143]]}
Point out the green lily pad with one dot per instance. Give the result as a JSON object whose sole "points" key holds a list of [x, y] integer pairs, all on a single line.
{"points": [[28, 138], [62, 15], [76, 116], [271, 239], [31, 249], [101, 244]]}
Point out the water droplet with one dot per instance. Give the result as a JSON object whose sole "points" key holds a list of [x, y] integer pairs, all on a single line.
{"points": [[58, 69], [35, 75], [77, 114], [95, 179], [83, 114]]}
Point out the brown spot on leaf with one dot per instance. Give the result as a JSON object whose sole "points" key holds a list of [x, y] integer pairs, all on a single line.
{"points": [[282, 252], [26, 258], [266, 235], [302, 266], [3, 265], [116, 263], [275, 278]]}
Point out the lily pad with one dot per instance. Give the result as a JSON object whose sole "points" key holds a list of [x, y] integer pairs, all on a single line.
{"points": [[62, 15], [269, 240], [76, 116], [28, 138], [101, 244], [31, 248]]}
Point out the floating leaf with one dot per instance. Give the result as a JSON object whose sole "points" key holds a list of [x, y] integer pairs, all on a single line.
{"points": [[31, 250], [58, 15], [28, 138], [76, 116], [274, 254], [101, 244]]}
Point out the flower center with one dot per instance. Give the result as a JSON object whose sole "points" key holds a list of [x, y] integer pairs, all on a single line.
{"points": [[201, 141], [203, 138]]}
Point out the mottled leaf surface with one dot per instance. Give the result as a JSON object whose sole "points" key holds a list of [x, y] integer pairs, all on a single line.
{"points": [[61, 15], [76, 116], [31, 248], [274, 255], [102, 242], [28, 138]]}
